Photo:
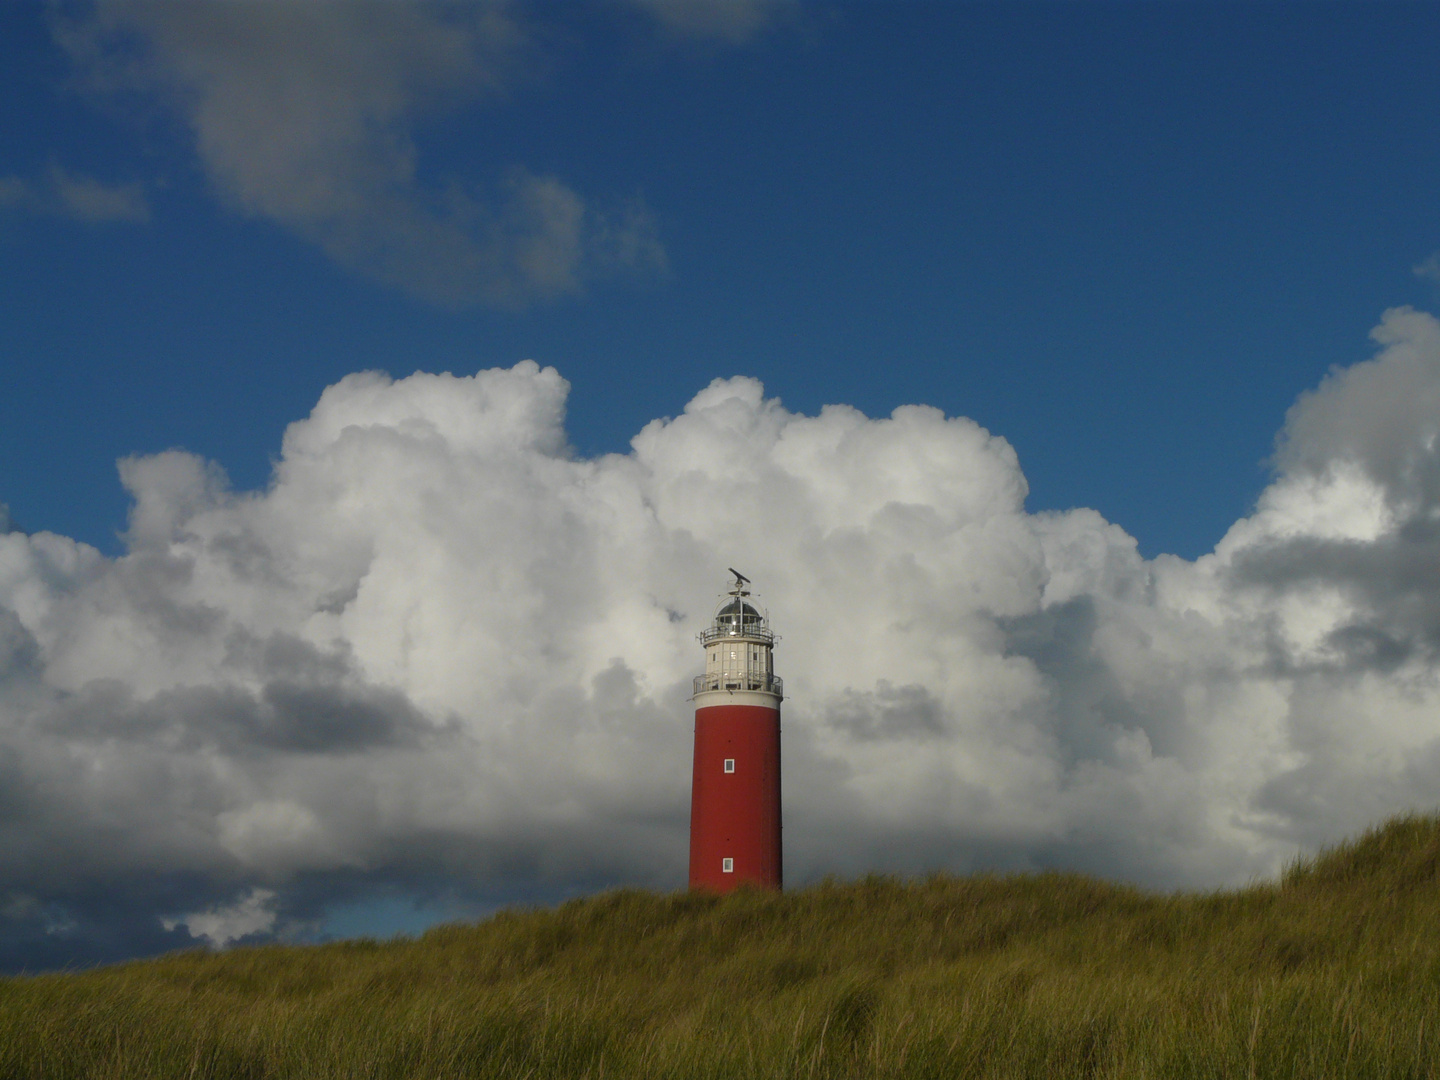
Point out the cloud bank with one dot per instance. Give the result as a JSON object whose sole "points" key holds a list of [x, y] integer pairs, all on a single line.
{"points": [[442, 655]]}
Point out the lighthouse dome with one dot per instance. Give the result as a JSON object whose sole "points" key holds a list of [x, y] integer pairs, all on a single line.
{"points": [[737, 615]]}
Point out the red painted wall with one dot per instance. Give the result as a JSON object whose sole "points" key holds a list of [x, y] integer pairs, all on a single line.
{"points": [[735, 815]]}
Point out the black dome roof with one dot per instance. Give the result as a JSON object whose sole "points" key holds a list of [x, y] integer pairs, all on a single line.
{"points": [[738, 607]]}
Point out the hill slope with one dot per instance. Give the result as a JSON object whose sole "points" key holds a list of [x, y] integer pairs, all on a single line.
{"points": [[1334, 971]]}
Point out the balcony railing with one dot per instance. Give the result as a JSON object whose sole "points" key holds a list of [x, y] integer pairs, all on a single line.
{"points": [[725, 633], [740, 681]]}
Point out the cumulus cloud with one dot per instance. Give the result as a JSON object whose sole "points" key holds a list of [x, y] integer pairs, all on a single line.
{"points": [[442, 655], [304, 114], [74, 195]]}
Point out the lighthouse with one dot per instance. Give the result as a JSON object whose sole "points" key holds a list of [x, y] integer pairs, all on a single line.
{"points": [[735, 791]]}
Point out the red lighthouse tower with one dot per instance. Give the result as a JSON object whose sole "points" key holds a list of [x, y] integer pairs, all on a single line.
{"points": [[735, 793]]}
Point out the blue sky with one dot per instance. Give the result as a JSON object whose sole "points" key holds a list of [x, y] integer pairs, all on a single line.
{"points": [[1121, 236], [430, 653]]}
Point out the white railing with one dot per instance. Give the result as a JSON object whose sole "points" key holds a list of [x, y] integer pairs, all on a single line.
{"points": [[771, 684], [751, 632]]}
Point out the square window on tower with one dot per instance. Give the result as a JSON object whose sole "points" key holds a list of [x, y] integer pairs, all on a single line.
{"points": [[729, 764], [727, 866]]}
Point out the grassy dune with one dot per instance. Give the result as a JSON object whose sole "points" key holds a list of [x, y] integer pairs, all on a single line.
{"points": [[1332, 972]]}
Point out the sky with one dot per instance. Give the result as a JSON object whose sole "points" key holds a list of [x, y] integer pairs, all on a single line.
{"points": [[387, 386]]}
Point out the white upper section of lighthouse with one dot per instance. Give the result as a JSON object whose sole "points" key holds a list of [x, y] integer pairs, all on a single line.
{"points": [[738, 648]]}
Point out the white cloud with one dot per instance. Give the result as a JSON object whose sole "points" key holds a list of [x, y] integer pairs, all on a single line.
{"points": [[440, 647], [304, 114], [73, 195], [252, 914], [87, 199]]}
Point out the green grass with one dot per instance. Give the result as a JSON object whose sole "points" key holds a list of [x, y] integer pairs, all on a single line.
{"points": [[1332, 972]]}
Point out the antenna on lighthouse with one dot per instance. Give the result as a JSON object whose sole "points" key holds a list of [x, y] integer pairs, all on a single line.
{"points": [[740, 582]]}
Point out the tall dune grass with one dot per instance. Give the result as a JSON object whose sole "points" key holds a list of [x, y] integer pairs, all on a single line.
{"points": [[1334, 971]]}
